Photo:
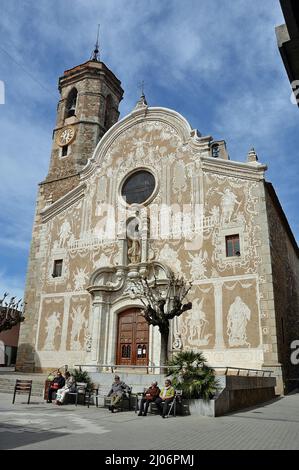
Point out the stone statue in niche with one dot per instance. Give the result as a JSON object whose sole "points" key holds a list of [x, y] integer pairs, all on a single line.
{"points": [[134, 247], [238, 316], [134, 251]]}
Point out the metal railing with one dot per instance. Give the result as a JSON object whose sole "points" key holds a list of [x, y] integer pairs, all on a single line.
{"points": [[115, 367], [239, 369], [65, 367]]}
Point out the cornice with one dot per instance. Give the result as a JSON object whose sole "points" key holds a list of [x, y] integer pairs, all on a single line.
{"points": [[253, 171], [91, 70], [63, 203], [77, 123]]}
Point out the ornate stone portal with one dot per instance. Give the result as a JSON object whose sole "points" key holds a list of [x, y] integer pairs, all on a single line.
{"points": [[114, 291]]}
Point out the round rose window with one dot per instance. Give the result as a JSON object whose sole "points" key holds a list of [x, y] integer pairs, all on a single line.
{"points": [[138, 187]]}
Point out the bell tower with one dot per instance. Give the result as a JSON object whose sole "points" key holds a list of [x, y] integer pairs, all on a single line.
{"points": [[88, 107]]}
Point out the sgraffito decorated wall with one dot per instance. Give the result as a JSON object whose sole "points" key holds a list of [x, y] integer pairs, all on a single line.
{"points": [[198, 200]]}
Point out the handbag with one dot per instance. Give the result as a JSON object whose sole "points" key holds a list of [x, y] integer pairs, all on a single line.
{"points": [[55, 386]]}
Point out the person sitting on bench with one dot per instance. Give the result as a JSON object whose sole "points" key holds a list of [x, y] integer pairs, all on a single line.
{"points": [[57, 382], [117, 392], [166, 396], [70, 386], [149, 396]]}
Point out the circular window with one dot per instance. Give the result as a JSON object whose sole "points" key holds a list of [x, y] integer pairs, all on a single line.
{"points": [[138, 187]]}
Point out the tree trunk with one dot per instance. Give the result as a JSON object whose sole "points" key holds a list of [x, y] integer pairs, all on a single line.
{"points": [[164, 350]]}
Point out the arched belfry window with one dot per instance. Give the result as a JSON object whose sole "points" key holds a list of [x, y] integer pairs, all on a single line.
{"points": [[108, 109], [71, 102], [215, 150]]}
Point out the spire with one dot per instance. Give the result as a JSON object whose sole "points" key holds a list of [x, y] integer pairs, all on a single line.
{"points": [[141, 103], [252, 156], [96, 53]]}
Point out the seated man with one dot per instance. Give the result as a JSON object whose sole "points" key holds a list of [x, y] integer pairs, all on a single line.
{"points": [[149, 396], [166, 396], [117, 392], [57, 382]]}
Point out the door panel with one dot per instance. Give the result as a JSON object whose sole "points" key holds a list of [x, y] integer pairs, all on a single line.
{"points": [[132, 338]]}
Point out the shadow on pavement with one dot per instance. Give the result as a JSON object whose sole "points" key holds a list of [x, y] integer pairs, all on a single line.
{"points": [[255, 407], [14, 436], [258, 410]]}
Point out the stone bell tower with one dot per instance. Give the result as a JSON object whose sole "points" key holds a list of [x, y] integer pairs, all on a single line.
{"points": [[88, 107]]}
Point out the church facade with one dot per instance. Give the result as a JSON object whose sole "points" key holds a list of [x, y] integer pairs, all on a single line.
{"points": [[150, 196]]}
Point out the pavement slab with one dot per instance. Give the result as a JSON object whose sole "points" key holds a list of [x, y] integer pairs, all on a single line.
{"points": [[274, 425]]}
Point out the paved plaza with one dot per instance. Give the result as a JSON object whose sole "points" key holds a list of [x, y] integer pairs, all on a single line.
{"points": [[40, 425]]}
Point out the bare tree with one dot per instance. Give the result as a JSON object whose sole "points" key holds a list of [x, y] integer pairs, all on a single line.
{"points": [[161, 304], [11, 313]]}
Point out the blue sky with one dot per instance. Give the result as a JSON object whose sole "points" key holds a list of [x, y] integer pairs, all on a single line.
{"points": [[214, 61]]}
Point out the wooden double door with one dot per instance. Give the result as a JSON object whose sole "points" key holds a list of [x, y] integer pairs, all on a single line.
{"points": [[132, 338]]}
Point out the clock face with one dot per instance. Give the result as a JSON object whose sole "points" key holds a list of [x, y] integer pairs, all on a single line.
{"points": [[66, 136]]}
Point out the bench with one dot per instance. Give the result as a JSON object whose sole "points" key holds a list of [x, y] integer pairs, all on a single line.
{"points": [[172, 406], [90, 395], [81, 390], [125, 404]]}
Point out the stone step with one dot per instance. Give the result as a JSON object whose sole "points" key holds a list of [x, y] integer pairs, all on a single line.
{"points": [[9, 390], [7, 384], [33, 392], [101, 380], [11, 387], [13, 380], [12, 384]]}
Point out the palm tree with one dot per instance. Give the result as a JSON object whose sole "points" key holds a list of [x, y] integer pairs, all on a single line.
{"points": [[192, 375]]}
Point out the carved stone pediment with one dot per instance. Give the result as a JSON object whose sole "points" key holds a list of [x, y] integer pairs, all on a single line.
{"points": [[121, 278]]}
